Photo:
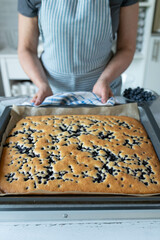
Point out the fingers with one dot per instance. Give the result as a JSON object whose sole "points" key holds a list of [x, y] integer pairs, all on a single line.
{"points": [[38, 98], [41, 95], [34, 98], [105, 95]]}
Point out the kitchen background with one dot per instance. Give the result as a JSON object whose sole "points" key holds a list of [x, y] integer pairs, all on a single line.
{"points": [[144, 70]]}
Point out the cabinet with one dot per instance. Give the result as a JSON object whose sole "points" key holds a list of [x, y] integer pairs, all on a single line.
{"points": [[135, 75], [14, 79], [152, 73]]}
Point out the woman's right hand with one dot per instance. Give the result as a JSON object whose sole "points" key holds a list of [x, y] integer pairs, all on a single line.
{"points": [[27, 53], [43, 92]]}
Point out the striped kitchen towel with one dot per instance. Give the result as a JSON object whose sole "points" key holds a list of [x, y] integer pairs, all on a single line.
{"points": [[74, 98]]}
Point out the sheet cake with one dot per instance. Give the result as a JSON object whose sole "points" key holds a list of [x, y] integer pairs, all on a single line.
{"points": [[80, 154]]}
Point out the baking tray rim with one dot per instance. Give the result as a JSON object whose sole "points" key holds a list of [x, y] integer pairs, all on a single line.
{"points": [[121, 201]]}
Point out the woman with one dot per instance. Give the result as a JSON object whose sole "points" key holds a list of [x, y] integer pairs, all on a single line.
{"points": [[77, 38]]}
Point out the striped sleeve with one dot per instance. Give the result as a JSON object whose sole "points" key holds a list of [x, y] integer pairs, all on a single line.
{"points": [[126, 3]]}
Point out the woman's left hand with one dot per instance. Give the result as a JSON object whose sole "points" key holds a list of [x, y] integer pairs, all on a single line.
{"points": [[102, 89]]}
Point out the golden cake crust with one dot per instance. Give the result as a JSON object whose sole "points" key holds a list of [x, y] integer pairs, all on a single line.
{"points": [[79, 153]]}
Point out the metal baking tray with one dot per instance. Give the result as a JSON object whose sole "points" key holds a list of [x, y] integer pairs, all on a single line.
{"points": [[82, 201]]}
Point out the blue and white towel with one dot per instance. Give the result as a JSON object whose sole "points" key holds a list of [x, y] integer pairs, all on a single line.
{"points": [[74, 98], [81, 98]]}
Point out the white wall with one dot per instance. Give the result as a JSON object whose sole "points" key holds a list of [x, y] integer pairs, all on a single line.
{"points": [[8, 23], [8, 27]]}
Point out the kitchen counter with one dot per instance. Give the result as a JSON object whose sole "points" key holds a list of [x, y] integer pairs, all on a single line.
{"points": [[109, 223]]}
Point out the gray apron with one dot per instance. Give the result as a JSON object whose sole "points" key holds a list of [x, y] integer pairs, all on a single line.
{"points": [[77, 38]]}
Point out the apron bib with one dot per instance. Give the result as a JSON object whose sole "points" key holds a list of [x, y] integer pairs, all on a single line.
{"points": [[77, 39]]}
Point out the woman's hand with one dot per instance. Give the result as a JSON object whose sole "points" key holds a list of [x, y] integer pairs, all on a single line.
{"points": [[102, 89], [28, 56], [43, 92], [126, 44]]}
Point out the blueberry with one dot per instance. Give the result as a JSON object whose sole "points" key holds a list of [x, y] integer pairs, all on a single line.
{"points": [[134, 97], [138, 94], [153, 97]]}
